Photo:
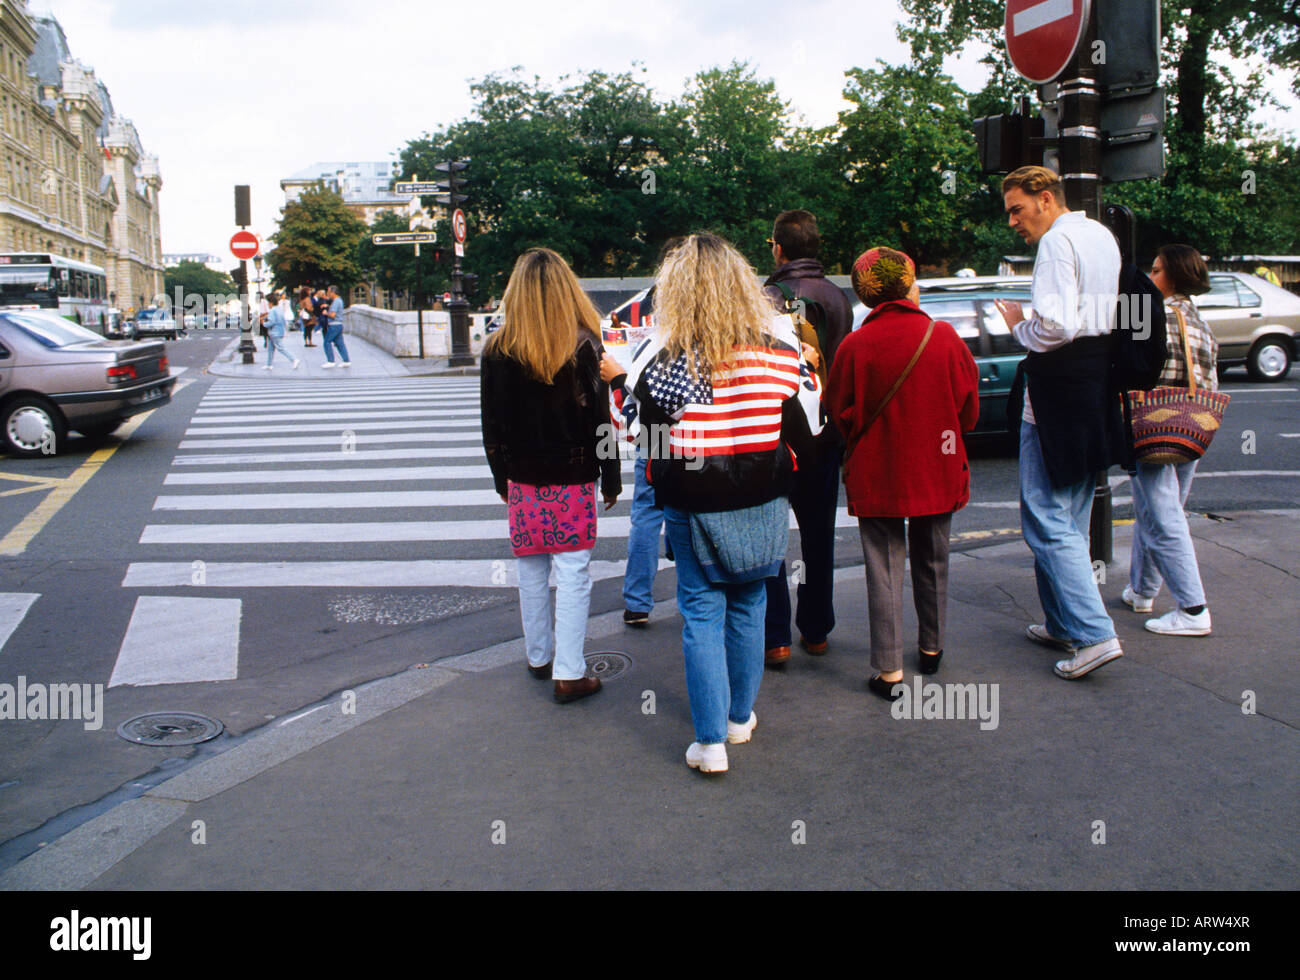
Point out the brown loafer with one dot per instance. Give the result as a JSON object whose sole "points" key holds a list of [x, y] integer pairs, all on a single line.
{"points": [[566, 691], [776, 657], [816, 649], [542, 673]]}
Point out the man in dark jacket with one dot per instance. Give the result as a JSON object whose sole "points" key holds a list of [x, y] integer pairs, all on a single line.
{"points": [[800, 284]]}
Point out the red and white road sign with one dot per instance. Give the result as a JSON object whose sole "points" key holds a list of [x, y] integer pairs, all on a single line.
{"points": [[446, 297], [1043, 35], [245, 245], [458, 225]]}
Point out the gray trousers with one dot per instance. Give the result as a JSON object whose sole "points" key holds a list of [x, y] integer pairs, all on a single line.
{"points": [[884, 550]]}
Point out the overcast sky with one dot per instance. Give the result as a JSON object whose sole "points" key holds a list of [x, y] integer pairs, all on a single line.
{"points": [[230, 92]]}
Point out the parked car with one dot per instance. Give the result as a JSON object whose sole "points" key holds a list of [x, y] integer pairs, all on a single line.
{"points": [[153, 321], [56, 376], [1256, 324]]}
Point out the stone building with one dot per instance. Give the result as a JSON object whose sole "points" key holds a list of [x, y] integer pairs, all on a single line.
{"points": [[76, 180]]}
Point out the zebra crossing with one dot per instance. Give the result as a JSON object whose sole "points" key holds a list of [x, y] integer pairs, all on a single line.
{"points": [[366, 483]]}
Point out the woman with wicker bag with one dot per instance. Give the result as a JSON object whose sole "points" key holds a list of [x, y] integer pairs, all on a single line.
{"points": [[1162, 542]]}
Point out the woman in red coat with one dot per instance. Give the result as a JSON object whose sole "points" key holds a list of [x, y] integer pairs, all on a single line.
{"points": [[903, 388]]}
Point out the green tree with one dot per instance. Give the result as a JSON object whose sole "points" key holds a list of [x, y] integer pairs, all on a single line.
{"points": [[189, 278], [316, 243]]}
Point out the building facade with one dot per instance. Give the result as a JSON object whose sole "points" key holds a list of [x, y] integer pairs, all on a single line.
{"points": [[76, 180]]}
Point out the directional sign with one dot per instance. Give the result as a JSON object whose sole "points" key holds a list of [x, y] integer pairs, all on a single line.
{"points": [[244, 245], [405, 238], [458, 225], [404, 187], [1042, 36]]}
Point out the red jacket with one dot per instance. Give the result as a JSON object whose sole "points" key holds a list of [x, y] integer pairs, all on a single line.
{"points": [[911, 462]]}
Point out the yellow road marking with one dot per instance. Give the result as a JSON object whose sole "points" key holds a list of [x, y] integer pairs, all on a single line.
{"points": [[17, 540], [28, 489], [25, 478]]}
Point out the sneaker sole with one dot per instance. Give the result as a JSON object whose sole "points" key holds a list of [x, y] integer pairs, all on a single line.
{"points": [[741, 739], [1051, 642], [1176, 632], [1099, 662], [700, 766]]}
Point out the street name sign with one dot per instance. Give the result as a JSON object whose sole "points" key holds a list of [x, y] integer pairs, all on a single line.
{"points": [[405, 238], [244, 245], [1042, 36], [404, 187]]}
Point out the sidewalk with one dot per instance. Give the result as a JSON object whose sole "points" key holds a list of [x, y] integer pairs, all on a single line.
{"points": [[1153, 751], [368, 361]]}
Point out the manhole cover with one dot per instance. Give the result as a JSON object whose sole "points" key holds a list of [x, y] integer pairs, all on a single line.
{"points": [[170, 728], [607, 666]]}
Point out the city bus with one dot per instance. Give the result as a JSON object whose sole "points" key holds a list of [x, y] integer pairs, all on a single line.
{"points": [[78, 290]]}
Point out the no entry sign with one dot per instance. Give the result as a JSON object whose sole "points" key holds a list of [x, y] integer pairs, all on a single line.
{"points": [[1043, 35], [244, 245], [458, 225]]}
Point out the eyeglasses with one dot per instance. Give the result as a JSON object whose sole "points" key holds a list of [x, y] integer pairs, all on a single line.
{"points": [[771, 241]]}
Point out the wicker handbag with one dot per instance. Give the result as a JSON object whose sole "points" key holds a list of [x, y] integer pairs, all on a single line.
{"points": [[1175, 425]]}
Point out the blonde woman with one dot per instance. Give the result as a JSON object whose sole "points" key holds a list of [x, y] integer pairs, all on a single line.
{"points": [[543, 407], [712, 386]]}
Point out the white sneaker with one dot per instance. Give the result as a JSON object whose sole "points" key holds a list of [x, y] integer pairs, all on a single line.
{"points": [[1138, 603], [266, 367], [707, 758], [297, 365], [1089, 658], [327, 365], [346, 364], [1039, 634], [739, 734], [1178, 622]]}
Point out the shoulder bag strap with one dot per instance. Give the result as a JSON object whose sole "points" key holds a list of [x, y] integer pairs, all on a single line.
{"points": [[901, 378], [1187, 352]]}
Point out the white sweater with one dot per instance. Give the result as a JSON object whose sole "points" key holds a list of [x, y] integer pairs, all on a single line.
{"points": [[1076, 283]]}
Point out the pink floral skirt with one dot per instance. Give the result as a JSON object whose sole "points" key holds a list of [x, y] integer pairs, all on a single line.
{"points": [[547, 520]]}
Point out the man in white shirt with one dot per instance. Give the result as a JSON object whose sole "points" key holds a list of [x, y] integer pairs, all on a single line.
{"points": [[1068, 425]]}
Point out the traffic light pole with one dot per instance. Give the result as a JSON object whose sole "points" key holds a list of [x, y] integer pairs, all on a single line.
{"points": [[1079, 104], [246, 347], [419, 298], [459, 306]]}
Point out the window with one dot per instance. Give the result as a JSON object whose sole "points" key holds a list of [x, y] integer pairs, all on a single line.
{"points": [[1247, 296], [1222, 295]]}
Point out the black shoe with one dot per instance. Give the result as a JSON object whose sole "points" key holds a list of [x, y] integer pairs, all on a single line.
{"points": [[631, 618], [883, 689], [542, 673], [930, 662]]}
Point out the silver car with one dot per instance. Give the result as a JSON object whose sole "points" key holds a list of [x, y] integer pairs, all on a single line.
{"points": [[1256, 324], [56, 376]]}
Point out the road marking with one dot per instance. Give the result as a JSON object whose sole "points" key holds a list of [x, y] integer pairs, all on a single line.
{"points": [[174, 640], [1234, 392], [338, 418], [386, 474], [361, 532], [369, 438], [422, 424], [381, 399], [482, 573], [1040, 15], [18, 539], [319, 501], [13, 607], [1248, 473], [334, 456]]}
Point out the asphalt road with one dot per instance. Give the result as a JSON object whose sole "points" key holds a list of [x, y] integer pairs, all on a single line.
{"points": [[156, 531]]}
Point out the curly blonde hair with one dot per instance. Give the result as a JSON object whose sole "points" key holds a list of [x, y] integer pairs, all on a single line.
{"points": [[708, 302]]}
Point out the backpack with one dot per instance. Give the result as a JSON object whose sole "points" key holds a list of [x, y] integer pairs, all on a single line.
{"points": [[1138, 352]]}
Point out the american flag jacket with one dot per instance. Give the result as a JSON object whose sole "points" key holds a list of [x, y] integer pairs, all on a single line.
{"points": [[732, 439]]}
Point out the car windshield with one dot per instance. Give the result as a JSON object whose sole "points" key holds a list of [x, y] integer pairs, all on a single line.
{"points": [[49, 329]]}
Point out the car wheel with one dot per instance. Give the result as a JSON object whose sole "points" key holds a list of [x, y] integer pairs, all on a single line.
{"points": [[1269, 359], [33, 427], [98, 432]]}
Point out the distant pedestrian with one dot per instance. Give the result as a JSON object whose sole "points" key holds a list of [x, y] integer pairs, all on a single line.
{"points": [[306, 315], [544, 410], [1162, 542], [712, 384], [1071, 424], [799, 282], [275, 327], [903, 389], [331, 320], [263, 312]]}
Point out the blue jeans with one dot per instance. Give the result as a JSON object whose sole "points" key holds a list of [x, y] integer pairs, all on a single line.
{"points": [[334, 337], [1162, 542], [1055, 525], [275, 342], [722, 638], [561, 634], [642, 544]]}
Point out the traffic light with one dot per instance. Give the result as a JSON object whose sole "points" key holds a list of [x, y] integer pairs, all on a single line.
{"points": [[240, 275], [1007, 142], [453, 169], [469, 283], [243, 210]]}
